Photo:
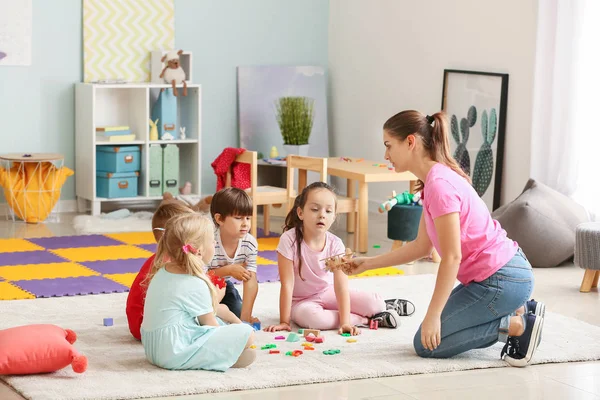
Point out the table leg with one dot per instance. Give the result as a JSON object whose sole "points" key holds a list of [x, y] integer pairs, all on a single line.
{"points": [[350, 220], [363, 216], [412, 185]]}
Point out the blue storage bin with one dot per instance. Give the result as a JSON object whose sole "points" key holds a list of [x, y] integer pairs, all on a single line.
{"points": [[111, 185], [118, 159], [165, 110]]}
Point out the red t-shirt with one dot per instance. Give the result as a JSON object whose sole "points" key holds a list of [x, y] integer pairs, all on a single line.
{"points": [[136, 300]]}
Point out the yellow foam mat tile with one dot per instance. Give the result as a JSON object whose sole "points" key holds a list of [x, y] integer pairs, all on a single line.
{"points": [[45, 271], [124, 279], [14, 245], [380, 272], [268, 244], [102, 253], [133, 237], [264, 261], [11, 292]]}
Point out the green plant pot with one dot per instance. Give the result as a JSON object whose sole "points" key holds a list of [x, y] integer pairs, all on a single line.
{"points": [[301, 150]]}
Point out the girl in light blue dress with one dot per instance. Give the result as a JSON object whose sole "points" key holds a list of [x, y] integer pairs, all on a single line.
{"points": [[180, 328]]}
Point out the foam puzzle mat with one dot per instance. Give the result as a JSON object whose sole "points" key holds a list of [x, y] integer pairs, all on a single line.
{"points": [[93, 264]]}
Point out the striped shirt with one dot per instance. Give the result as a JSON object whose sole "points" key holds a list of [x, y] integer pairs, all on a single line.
{"points": [[246, 251]]}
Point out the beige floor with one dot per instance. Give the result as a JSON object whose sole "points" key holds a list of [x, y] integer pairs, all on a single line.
{"points": [[558, 287]]}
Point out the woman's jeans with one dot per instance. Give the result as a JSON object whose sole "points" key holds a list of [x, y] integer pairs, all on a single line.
{"points": [[478, 315]]}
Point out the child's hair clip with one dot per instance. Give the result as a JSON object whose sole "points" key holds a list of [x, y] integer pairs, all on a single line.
{"points": [[188, 248]]}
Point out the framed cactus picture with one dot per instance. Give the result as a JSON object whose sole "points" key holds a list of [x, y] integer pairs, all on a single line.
{"points": [[476, 103]]}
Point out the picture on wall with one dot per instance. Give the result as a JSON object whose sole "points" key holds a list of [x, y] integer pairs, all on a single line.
{"points": [[475, 103], [283, 107], [15, 32], [118, 37]]}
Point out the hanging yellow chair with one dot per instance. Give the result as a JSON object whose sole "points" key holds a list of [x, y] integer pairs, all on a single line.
{"points": [[32, 189]]}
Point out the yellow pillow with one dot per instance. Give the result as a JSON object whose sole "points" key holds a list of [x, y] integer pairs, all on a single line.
{"points": [[32, 189]]}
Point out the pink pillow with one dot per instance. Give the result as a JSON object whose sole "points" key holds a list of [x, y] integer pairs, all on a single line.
{"points": [[34, 349]]}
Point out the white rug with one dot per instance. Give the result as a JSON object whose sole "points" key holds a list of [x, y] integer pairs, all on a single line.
{"points": [[136, 222], [118, 370]]}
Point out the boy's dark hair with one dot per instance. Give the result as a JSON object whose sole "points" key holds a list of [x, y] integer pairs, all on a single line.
{"points": [[292, 221], [231, 201], [165, 211]]}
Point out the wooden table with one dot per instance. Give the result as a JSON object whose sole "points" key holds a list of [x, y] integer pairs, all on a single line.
{"points": [[364, 172]]}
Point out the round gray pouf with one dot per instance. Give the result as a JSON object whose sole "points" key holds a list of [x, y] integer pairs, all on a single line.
{"points": [[587, 253]]}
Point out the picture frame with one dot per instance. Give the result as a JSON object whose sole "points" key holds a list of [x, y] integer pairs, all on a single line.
{"points": [[476, 103]]}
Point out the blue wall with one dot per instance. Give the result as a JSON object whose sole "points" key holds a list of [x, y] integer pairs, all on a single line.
{"points": [[37, 102]]}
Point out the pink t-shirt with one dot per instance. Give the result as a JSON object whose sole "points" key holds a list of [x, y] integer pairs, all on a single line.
{"points": [[316, 279], [484, 244]]}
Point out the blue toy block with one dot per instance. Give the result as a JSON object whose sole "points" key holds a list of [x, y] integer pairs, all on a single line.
{"points": [[108, 322], [255, 325]]}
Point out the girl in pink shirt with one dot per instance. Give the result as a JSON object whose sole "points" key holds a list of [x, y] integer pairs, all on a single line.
{"points": [[311, 296], [491, 302]]}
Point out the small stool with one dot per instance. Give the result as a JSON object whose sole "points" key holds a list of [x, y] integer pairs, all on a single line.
{"points": [[587, 253], [403, 225]]}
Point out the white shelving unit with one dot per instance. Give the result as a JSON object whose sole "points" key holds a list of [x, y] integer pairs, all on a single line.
{"points": [[131, 104]]}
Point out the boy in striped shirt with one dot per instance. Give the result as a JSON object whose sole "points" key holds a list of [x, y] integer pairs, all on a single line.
{"points": [[235, 249]]}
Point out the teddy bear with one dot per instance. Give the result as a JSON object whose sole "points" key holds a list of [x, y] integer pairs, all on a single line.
{"points": [[172, 72]]}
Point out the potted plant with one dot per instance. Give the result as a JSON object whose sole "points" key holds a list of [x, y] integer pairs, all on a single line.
{"points": [[295, 118]]}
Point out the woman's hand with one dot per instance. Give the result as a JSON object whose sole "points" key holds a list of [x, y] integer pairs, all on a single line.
{"points": [[355, 266], [283, 326], [431, 332], [347, 328]]}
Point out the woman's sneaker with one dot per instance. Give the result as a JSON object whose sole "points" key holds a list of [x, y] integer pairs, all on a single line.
{"points": [[404, 308], [386, 319], [519, 350]]}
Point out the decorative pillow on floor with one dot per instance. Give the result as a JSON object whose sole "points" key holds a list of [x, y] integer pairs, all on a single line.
{"points": [[34, 349], [543, 222]]}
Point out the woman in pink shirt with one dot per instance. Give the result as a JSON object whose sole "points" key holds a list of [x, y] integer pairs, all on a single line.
{"points": [[311, 296], [491, 302]]}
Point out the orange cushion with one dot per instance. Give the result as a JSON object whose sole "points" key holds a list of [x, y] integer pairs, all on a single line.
{"points": [[33, 349]]}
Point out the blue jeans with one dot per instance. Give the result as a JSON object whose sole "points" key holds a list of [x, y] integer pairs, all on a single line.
{"points": [[232, 299], [478, 315]]}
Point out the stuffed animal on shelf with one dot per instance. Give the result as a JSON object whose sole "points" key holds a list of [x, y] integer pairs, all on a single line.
{"points": [[186, 189], [172, 73], [182, 133]]}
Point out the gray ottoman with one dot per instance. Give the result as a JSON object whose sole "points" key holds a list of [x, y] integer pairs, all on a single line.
{"points": [[587, 253]]}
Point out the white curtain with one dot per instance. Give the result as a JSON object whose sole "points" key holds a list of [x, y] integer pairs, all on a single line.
{"points": [[565, 131]]}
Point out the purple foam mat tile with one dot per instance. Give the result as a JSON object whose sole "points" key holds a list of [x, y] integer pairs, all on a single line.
{"points": [[268, 254], [260, 233], [71, 286], [150, 247], [116, 266], [265, 273], [66, 242], [29, 257]]}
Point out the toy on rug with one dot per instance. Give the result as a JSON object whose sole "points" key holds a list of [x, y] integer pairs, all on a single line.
{"points": [[339, 261], [402, 198], [36, 349], [173, 73]]}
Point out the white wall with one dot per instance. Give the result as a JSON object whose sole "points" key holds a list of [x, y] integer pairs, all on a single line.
{"points": [[389, 55]]}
